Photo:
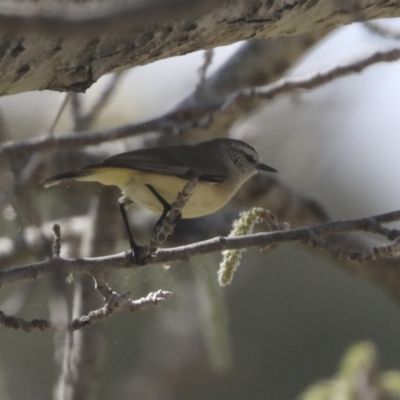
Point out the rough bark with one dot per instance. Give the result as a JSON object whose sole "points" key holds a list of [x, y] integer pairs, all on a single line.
{"points": [[67, 48]]}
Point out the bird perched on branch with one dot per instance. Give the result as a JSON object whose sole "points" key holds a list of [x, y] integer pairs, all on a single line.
{"points": [[153, 177]]}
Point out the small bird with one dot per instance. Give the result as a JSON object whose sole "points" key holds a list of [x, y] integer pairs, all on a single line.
{"points": [[152, 178]]}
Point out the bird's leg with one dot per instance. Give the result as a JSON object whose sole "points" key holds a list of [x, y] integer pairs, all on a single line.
{"points": [[164, 203], [123, 202]]}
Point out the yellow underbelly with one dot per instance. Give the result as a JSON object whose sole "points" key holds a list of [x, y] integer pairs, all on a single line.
{"points": [[206, 199]]}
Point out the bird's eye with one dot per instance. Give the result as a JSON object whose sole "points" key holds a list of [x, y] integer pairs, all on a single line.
{"points": [[250, 158]]}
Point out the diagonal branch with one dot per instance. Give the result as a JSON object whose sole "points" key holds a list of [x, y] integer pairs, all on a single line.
{"points": [[189, 117], [117, 302]]}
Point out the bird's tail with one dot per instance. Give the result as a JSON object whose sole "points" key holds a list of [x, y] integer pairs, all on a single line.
{"points": [[104, 174], [56, 179]]}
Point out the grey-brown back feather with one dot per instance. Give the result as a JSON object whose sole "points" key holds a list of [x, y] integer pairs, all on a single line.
{"points": [[180, 161]]}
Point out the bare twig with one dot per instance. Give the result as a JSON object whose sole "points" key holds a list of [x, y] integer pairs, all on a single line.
{"points": [[378, 29], [115, 303], [286, 85], [83, 351], [168, 123], [57, 240], [36, 159], [152, 299], [118, 302], [76, 110], [87, 120], [102, 287], [96, 266], [19, 247], [265, 62], [27, 326], [208, 58], [64, 103], [391, 250], [183, 119], [22, 174], [83, 121], [26, 211]]}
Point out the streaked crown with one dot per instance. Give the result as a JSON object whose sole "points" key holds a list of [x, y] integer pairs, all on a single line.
{"points": [[245, 158]]}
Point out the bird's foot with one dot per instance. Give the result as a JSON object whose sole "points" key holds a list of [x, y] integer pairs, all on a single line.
{"points": [[138, 258]]}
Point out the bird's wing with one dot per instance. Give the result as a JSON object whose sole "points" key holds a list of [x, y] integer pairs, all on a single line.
{"points": [[163, 160]]}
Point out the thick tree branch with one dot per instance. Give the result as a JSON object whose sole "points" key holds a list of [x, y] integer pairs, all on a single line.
{"points": [[66, 48]]}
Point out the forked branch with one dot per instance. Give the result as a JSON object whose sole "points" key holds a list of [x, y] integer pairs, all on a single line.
{"points": [[97, 265]]}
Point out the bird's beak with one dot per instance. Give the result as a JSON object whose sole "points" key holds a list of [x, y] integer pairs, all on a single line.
{"points": [[263, 167]]}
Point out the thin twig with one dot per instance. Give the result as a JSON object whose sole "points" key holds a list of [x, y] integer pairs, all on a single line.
{"points": [[152, 299], [76, 110], [27, 326], [208, 58], [83, 121], [119, 302], [170, 123], [318, 79], [391, 250], [57, 240], [115, 302], [380, 30], [87, 120], [35, 159], [64, 103], [30, 237], [102, 287]]}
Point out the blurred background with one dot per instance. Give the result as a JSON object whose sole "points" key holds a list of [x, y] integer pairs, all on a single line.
{"points": [[288, 317]]}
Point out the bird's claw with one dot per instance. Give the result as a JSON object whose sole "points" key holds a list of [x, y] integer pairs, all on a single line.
{"points": [[139, 259]]}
